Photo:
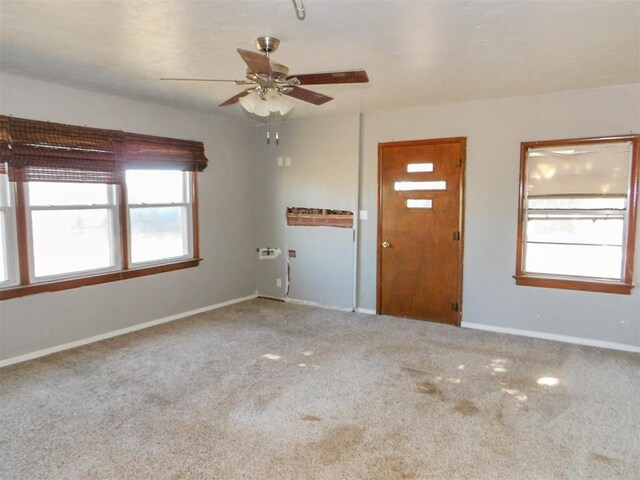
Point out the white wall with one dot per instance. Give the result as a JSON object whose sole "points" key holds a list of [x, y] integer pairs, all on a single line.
{"points": [[494, 130], [226, 202]]}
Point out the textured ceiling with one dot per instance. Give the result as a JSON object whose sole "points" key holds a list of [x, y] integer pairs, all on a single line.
{"points": [[415, 52]]}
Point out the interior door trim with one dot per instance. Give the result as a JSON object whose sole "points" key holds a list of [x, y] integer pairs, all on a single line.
{"points": [[410, 143]]}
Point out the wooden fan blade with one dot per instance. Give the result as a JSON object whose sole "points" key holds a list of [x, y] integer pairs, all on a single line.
{"points": [[309, 96], [257, 62], [235, 98], [353, 76]]}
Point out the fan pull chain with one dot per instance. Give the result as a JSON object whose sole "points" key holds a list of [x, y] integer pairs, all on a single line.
{"points": [[276, 127], [300, 9], [269, 130]]}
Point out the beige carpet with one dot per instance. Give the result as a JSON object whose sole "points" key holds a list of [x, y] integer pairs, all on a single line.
{"points": [[265, 390]]}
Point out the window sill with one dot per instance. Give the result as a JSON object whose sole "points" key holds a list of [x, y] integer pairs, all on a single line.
{"points": [[572, 284], [24, 290]]}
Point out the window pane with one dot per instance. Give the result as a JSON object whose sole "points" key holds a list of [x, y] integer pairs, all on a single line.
{"points": [[66, 241], [419, 203], [155, 186], [4, 274], [419, 167], [5, 197], [584, 231], [158, 233], [603, 262], [579, 169], [68, 193], [409, 186], [600, 203]]}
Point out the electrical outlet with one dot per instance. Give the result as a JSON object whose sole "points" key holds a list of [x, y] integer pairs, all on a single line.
{"points": [[280, 161], [279, 282], [287, 161]]}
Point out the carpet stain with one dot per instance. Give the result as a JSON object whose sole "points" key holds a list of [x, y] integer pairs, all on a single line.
{"points": [[413, 371], [500, 417], [500, 450], [310, 418], [391, 467], [261, 402], [598, 457], [428, 388], [158, 400], [338, 444], [519, 383], [467, 407]]}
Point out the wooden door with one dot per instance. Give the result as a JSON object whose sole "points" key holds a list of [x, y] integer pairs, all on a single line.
{"points": [[420, 213]]}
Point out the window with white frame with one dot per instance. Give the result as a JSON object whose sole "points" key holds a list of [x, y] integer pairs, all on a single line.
{"points": [[73, 228], [578, 204], [160, 215]]}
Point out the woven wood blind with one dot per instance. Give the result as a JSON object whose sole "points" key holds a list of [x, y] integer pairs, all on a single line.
{"points": [[146, 151], [44, 151], [4, 142], [54, 152]]}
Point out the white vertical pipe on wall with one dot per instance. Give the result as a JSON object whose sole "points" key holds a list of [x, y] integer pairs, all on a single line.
{"points": [[356, 213]]}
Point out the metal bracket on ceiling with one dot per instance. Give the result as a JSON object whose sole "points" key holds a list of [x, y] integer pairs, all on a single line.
{"points": [[300, 9]]}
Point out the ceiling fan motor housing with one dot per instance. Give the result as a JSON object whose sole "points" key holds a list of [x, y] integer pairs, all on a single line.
{"points": [[279, 74], [267, 44], [279, 71]]}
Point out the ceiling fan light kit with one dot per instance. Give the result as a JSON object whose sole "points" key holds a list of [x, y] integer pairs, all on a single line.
{"points": [[264, 105]]}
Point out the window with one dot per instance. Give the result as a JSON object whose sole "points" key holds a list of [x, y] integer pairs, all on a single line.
{"points": [[578, 214], [159, 215], [81, 206], [72, 229]]}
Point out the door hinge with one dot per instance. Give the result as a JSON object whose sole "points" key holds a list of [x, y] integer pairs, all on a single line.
{"points": [[454, 306], [456, 235], [459, 163]]}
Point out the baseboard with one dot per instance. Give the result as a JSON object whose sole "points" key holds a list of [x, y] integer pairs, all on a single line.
{"points": [[368, 311], [269, 297], [551, 336], [314, 304], [122, 331]]}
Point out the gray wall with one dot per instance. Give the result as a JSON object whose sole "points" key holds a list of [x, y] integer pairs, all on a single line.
{"points": [[323, 174], [45, 320], [243, 196], [494, 130]]}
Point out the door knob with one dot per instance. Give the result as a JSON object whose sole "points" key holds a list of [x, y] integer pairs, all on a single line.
{"points": [[385, 245]]}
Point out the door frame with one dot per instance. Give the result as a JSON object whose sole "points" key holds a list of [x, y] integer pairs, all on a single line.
{"points": [[411, 143]]}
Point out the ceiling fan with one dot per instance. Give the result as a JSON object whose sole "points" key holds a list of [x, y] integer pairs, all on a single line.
{"points": [[270, 80]]}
